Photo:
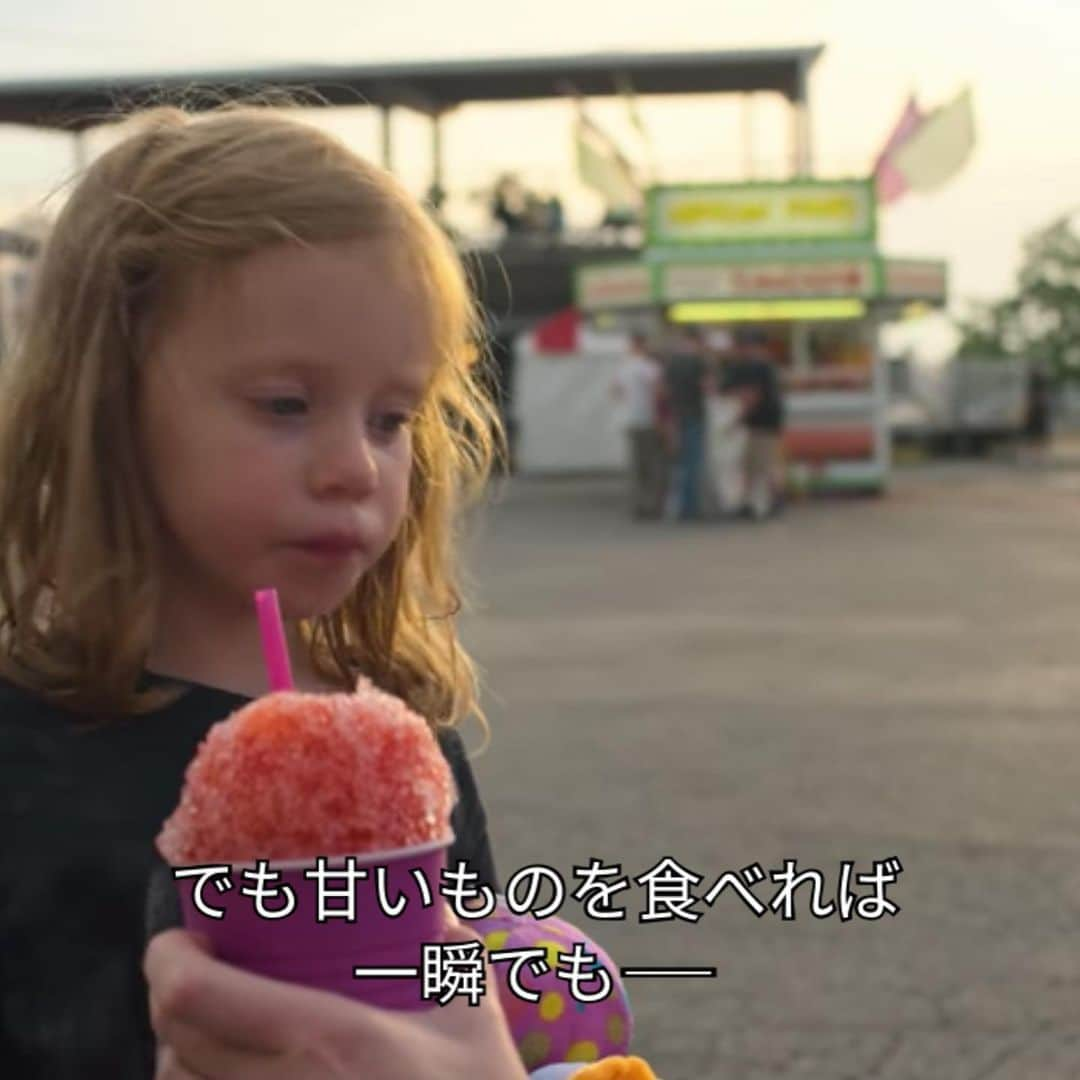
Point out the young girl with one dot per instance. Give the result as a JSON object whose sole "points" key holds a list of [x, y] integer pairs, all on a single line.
{"points": [[249, 364]]}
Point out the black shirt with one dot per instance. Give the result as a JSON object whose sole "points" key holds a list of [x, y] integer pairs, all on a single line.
{"points": [[767, 412], [79, 810], [685, 377]]}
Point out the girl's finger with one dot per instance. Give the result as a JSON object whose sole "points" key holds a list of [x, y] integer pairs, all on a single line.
{"points": [[203, 1056], [234, 1007], [169, 1068], [460, 933]]}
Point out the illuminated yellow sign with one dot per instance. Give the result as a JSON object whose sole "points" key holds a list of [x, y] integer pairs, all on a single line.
{"points": [[812, 210], [733, 311]]}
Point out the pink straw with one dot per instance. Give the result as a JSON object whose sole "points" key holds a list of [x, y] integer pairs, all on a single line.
{"points": [[275, 651]]}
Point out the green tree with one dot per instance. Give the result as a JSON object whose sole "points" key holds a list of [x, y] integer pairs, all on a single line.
{"points": [[1041, 320]]}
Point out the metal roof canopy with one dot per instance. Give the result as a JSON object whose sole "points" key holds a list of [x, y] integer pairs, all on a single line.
{"points": [[431, 87]]}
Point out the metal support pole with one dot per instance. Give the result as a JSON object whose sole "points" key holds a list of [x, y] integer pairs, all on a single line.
{"points": [[387, 139], [801, 156], [436, 152], [748, 136], [801, 359], [800, 140], [81, 152], [871, 338]]}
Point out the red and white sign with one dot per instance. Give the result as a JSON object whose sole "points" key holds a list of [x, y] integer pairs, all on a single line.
{"points": [[915, 279], [613, 286], [847, 277]]}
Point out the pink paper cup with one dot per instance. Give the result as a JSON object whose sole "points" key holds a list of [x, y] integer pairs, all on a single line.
{"points": [[299, 948]]}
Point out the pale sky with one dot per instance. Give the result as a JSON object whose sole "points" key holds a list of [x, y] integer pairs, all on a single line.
{"points": [[1020, 56]]}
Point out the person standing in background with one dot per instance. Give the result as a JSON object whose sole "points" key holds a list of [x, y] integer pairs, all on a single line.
{"points": [[637, 389], [751, 376], [685, 379], [1037, 420]]}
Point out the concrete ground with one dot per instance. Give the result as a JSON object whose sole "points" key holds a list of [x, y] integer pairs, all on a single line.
{"points": [[859, 680]]}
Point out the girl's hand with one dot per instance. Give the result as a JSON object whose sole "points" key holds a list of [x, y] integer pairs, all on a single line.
{"points": [[218, 1022]]}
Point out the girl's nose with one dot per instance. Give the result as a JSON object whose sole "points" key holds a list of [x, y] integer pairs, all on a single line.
{"points": [[344, 462]]}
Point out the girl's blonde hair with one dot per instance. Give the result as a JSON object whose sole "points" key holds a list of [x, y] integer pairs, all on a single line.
{"points": [[78, 573]]}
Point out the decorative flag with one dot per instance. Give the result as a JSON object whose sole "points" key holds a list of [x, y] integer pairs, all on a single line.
{"points": [[603, 167], [941, 146], [626, 88], [890, 182]]}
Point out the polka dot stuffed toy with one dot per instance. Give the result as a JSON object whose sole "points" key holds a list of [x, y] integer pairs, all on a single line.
{"points": [[556, 1031]]}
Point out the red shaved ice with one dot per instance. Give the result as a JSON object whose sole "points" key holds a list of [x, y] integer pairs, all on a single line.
{"points": [[295, 775]]}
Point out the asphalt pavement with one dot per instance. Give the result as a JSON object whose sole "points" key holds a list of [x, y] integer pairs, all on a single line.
{"points": [[861, 680]]}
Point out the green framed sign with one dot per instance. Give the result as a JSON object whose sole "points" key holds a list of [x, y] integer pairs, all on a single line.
{"points": [[790, 213]]}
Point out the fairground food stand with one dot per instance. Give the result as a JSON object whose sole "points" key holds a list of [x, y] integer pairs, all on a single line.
{"points": [[799, 261]]}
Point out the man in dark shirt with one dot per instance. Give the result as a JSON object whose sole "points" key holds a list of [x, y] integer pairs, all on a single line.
{"points": [[685, 373], [751, 376]]}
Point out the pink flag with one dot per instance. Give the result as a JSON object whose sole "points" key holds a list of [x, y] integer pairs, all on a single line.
{"points": [[890, 181]]}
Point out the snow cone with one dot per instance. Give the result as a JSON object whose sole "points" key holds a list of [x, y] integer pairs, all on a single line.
{"points": [[317, 783], [299, 784]]}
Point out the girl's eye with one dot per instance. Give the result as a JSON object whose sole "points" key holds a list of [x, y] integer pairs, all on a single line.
{"points": [[284, 406], [387, 424]]}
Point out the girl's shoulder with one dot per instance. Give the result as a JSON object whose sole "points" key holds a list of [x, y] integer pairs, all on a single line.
{"points": [[456, 753], [12, 695], [26, 710], [31, 740], [30, 720], [451, 743]]}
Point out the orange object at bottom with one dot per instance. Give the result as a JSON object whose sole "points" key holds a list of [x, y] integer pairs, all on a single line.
{"points": [[829, 444], [616, 1068]]}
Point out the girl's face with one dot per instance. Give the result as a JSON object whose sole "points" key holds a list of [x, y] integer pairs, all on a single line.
{"points": [[275, 410]]}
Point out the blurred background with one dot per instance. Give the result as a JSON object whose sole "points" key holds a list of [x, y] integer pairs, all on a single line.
{"points": [[888, 197]]}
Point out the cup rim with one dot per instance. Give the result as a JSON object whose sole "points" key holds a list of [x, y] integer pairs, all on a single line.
{"points": [[366, 858]]}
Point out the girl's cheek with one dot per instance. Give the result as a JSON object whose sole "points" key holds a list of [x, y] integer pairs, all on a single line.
{"points": [[398, 455]]}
